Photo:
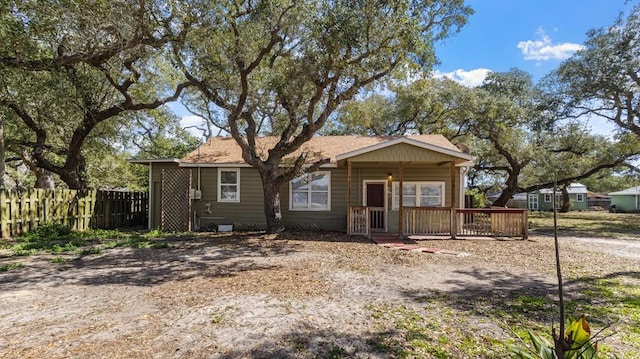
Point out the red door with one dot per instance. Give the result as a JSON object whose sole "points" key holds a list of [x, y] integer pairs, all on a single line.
{"points": [[375, 202]]}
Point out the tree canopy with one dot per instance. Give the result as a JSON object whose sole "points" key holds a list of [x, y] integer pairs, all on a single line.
{"points": [[283, 67], [603, 79], [68, 67]]}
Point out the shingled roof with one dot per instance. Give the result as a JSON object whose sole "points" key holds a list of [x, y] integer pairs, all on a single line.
{"points": [[224, 150]]}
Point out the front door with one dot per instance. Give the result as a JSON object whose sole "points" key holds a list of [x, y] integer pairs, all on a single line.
{"points": [[375, 201], [533, 202]]}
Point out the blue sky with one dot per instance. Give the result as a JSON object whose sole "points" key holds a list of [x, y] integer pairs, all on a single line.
{"points": [[532, 35]]}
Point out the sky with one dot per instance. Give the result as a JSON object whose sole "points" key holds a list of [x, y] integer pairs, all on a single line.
{"points": [[531, 35]]}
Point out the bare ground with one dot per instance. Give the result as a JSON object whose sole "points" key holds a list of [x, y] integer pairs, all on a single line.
{"points": [[295, 295]]}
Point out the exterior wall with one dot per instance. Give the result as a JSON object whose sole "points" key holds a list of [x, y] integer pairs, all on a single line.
{"points": [[575, 206], [624, 203], [402, 152], [333, 220], [248, 214]]}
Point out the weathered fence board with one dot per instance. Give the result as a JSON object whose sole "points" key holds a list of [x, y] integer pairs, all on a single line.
{"points": [[24, 211]]}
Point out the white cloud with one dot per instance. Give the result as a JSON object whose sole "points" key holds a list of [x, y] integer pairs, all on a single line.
{"points": [[193, 124], [471, 78], [544, 49]]}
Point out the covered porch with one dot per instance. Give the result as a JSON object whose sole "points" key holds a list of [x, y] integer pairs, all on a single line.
{"points": [[446, 222], [412, 189]]}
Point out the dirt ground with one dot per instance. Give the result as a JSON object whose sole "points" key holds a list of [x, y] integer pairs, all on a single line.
{"points": [[255, 296]]}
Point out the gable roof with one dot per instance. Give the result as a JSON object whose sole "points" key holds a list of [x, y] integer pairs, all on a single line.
{"points": [[628, 191], [225, 150], [572, 188]]}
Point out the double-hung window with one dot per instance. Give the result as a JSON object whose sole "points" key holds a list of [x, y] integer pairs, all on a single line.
{"points": [[548, 197], [418, 194], [579, 197], [310, 192], [228, 185]]}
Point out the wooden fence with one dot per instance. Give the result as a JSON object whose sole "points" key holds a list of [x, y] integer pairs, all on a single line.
{"points": [[24, 211]]}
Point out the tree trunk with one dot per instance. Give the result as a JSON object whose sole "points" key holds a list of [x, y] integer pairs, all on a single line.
{"points": [[566, 202], [44, 178], [505, 196], [2, 152], [272, 211]]}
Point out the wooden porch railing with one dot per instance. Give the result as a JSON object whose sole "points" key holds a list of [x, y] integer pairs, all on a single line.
{"points": [[467, 222], [427, 220], [493, 222], [358, 220]]}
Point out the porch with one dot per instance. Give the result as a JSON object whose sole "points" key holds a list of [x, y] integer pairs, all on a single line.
{"points": [[444, 221]]}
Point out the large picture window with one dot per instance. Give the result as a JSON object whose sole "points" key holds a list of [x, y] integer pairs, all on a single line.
{"points": [[310, 192], [228, 185], [418, 194]]}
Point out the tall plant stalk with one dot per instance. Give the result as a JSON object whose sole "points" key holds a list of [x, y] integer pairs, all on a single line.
{"points": [[558, 338]]}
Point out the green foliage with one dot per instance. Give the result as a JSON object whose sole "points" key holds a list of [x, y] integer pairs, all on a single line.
{"points": [[607, 225], [479, 198], [416, 335], [602, 79], [577, 342], [59, 259], [10, 266], [68, 95], [57, 239], [284, 67], [47, 231]]}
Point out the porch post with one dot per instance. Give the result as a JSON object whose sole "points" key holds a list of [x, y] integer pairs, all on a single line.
{"points": [[400, 216], [525, 223], [348, 197], [454, 216]]}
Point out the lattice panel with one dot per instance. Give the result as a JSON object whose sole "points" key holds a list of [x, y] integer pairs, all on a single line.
{"points": [[174, 201]]}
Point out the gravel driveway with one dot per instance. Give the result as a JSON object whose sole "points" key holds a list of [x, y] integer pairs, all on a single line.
{"points": [[295, 295]]}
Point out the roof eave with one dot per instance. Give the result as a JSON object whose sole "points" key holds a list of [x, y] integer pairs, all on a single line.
{"points": [[155, 160], [385, 144]]}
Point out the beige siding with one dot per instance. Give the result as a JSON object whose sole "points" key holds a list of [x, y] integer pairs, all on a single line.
{"points": [[334, 220], [246, 214], [249, 212], [402, 152], [410, 174]]}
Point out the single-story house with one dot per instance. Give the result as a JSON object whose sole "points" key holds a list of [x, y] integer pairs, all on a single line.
{"points": [[627, 200], [357, 191], [542, 200], [598, 201]]}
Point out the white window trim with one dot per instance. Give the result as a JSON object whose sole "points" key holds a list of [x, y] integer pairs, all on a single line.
{"points": [[579, 197], [393, 191], [237, 171], [309, 209], [547, 197]]}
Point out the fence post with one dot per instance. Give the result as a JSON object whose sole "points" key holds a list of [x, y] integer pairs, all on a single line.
{"points": [[5, 215]]}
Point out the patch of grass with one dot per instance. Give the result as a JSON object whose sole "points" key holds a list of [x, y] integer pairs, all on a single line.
{"points": [[160, 245], [155, 233], [59, 259], [601, 224], [90, 251], [329, 350], [10, 266], [418, 334], [57, 239]]}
